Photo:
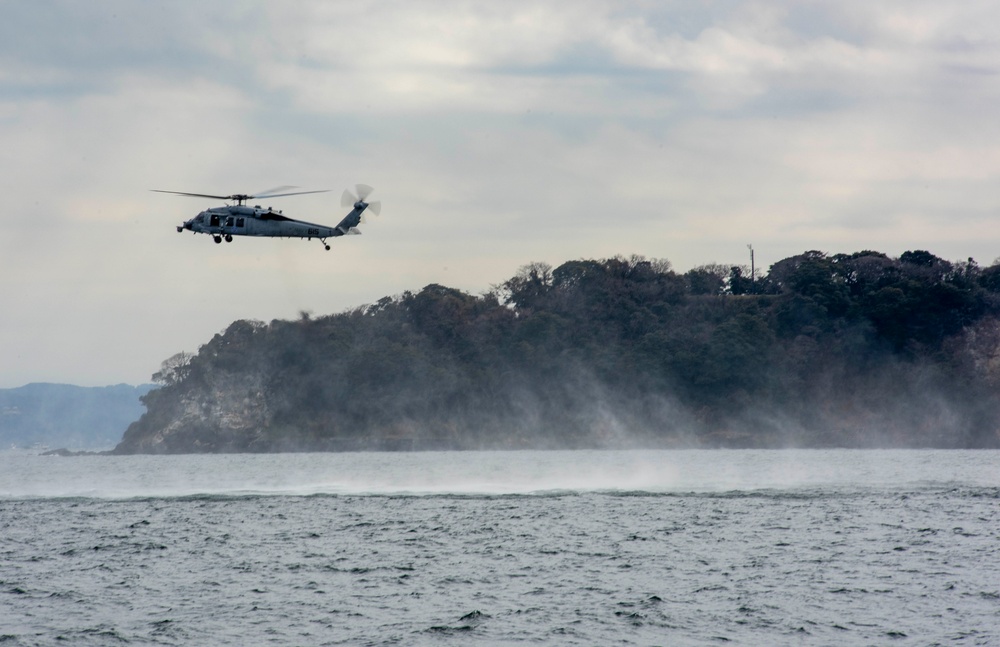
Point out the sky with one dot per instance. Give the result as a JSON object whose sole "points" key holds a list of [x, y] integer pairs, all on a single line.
{"points": [[495, 135]]}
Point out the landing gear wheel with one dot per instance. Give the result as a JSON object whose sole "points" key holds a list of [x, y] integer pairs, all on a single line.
{"points": [[217, 239], [327, 246], [229, 238]]}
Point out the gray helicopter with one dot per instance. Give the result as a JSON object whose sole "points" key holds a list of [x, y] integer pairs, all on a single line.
{"points": [[222, 223]]}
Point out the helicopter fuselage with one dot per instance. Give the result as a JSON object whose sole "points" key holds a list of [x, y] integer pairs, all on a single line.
{"points": [[255, 221]]}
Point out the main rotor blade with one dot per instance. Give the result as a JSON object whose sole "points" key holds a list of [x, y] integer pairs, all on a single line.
{"points": [[194, 195], [281, 195], [268, 192]]}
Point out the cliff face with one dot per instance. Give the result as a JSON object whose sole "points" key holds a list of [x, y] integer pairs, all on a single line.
{"points": [[850, 350], [225, 414]]}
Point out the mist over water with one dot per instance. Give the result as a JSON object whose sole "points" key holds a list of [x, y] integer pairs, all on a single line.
{"points": [[26, 474], [579, 548]]}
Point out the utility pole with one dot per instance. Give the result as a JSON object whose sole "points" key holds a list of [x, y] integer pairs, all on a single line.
{"points": [[753, 287]]}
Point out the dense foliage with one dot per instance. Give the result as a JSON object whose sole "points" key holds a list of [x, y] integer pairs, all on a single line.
{"points": [[823, 350]]}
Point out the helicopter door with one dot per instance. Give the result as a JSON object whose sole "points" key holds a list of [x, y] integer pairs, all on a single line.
{"points": [[213, 220]]}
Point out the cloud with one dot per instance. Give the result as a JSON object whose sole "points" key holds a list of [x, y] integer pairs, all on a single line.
{"points": [[496, 135]]}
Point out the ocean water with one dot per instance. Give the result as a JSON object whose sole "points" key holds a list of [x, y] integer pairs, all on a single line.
{"points": [[502, 548]]}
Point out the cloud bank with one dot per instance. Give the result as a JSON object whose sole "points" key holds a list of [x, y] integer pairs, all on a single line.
{"points": [[495, 135]]}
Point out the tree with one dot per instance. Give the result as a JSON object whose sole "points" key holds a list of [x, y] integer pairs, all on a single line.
{"points": [[989, 278], [706, 279], [173, 369], [738, 282], [529, 286], [920, 258]]}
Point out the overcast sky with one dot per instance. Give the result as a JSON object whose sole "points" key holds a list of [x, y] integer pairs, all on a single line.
{"points": [[496, 134]]}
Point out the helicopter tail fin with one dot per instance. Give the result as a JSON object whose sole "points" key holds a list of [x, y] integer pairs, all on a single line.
{"points": [[350, 222]]}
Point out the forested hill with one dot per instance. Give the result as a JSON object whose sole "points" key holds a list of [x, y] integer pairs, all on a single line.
{"points": [[846, 350]]}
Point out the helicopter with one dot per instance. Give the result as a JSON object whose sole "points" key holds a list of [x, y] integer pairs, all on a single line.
{"points": [[239, 219]]}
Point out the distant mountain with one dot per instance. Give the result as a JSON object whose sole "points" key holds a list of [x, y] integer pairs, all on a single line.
{"points": [[63, 415]]}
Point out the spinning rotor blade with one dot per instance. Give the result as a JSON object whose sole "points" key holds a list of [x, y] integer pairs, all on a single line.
{"points": [[373, 207], [266, 193], [281, 195], [242, 197], [195, 195], [348, 199]]}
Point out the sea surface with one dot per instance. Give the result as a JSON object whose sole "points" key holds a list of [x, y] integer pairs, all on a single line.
{"points": [[715, 547]]}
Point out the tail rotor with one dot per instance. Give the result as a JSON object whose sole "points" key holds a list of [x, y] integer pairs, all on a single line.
{"points": [[358, 200]]}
